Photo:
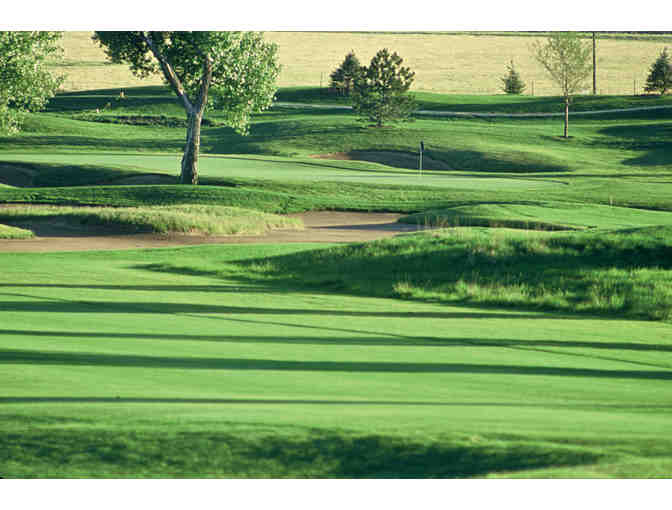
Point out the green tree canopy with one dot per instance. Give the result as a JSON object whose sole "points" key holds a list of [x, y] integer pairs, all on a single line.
{"points": [[512, 82], [343, 77], [568, 61], [380, 90], [25, 83], [660, 74], [232, 72]]}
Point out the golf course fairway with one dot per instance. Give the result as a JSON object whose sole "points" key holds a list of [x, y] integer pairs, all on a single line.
{"points": [[182, 362]]}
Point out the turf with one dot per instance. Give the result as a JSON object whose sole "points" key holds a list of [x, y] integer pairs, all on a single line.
{"points": [[185, 363], [621, 272], [466, 352]]}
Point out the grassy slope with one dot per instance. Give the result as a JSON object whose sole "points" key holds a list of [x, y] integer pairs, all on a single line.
{"points": [[540, 216], [618, 160], [10, 232], [186, 362], [171, 362], [624, 273]]}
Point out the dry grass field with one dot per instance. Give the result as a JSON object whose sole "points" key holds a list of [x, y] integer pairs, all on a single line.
{"points": [[448, 63]]}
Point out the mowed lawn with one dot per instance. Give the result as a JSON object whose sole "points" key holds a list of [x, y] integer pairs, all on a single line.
{"points": [[182, 362], [279, 361]]}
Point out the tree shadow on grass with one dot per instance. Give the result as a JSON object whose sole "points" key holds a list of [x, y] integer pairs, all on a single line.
{"points": [[28, 357], [652, 138], [143, 307], [27, 141], [224, 140], [381, 339], [61, 305], [149, 288], [309, 453], [55, 175], [376, 456], [300, 402]]}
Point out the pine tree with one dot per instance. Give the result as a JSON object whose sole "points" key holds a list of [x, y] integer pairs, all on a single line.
{"points": [[660, 75], [343, 78], [380, 90], [512, 82]]}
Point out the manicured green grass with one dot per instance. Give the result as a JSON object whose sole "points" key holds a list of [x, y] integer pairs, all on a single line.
{"points": [[513, 145], [188, 362], [463, 352]]}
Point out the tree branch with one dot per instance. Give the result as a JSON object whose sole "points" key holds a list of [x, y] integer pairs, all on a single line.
{"points": [[168, 72]]}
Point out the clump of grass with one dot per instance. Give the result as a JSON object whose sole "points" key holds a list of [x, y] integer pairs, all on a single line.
{"points": [[185, 218], [7, 232], [618, 272]]}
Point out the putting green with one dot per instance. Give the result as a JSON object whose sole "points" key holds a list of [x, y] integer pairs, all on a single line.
{"points": [[283, 169]]}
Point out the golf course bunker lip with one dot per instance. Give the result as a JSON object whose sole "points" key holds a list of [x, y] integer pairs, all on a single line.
{"points": [[321, 227], [397, 159], [143, 179]]}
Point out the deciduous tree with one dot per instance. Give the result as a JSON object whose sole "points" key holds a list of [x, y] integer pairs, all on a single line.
{"points": [[232, 72], [26, 85], [568, 60]]}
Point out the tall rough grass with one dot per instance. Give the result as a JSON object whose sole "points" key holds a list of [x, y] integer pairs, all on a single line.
{"points": [[187, 218], [7, 232], [622, 272]]}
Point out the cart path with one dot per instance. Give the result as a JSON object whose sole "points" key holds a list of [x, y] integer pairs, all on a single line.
{"points": [[320, 227]]}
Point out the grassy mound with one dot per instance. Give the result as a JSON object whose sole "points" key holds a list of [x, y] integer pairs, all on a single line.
{"points": [[310, 453], [539, 216], [7, 232], [187, 218], [623, 272]]}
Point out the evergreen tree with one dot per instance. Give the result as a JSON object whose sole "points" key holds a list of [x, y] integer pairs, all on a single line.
{"points": [[343, 78], [660, 75], [380, 90], [512, 82]]}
